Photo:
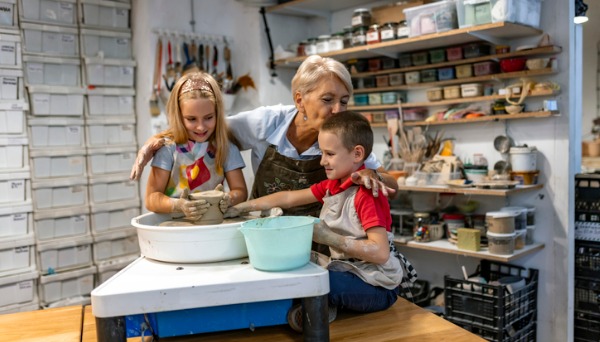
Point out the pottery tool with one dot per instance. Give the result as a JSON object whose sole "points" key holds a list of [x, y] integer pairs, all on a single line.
{"points": [[392, 126], [154, 107], [178, 65], [215, 62], [170, 71], [227, 57], [201, 57], [207, 57], [190, 63]]}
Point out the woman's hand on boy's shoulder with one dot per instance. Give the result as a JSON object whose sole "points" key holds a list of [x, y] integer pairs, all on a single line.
{"points": [[371, 179]]}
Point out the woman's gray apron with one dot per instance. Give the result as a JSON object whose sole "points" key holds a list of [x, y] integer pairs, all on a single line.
{"points": [[277, 172]]}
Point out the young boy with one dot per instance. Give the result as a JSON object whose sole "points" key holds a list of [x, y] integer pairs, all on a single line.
{"points": [[364, 274]]}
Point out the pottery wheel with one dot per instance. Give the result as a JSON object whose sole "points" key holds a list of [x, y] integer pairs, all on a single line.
{"points": [[186, 223]]}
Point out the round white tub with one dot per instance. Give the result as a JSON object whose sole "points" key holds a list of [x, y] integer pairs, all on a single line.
{"points": [[189, 244]]}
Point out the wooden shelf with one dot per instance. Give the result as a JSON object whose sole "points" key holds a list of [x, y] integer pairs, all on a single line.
{"points": [[497, 117], [310, 8], [444, 246], [493, 77], [546, 50], [473, 190], [493, 31]]}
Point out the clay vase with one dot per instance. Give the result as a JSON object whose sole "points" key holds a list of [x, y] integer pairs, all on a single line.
{"points": [[214, 214]]}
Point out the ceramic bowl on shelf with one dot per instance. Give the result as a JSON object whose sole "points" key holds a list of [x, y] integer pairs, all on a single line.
{"points": [[514, 109], [513, 64], [537, 63]]}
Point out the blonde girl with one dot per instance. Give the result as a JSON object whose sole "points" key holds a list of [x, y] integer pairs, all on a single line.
{"points": [[199, 152]]}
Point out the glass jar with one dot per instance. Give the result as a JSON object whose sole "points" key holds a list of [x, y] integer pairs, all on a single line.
{"points": [[373, 35], [403, 30], [421, 227], [323, 44], [301, 49], [388, 31], [347, 37], [361, 17], [311, 47], [359, 36], [336, 42]]}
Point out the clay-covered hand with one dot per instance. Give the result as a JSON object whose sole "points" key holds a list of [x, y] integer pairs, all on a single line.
{"points": [[225, 201], [370, 180], [144, 155], [324, 235], [192, 209], [234, 211], [273, 212]]}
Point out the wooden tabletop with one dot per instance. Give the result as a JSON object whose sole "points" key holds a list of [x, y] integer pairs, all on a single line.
{"points": [[402, 322], [50, 325]]}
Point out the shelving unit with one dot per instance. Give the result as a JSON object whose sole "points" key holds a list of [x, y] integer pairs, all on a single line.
{"points": [[495, 31], [472, 191], [444, 246]]}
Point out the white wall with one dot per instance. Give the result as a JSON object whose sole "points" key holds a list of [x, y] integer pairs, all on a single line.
{"points": [[550, 135], [591, 67]]}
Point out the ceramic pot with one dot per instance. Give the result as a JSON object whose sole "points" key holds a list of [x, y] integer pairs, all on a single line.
{"points": [[214, 214]]}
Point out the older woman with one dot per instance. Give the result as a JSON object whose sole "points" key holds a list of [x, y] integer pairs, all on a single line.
{"points": [[283, 138]]}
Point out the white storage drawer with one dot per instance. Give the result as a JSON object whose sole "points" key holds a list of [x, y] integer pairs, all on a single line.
{"points": [[111, 102], [33, 305], [104, 14], [50, 40], [109, 72], [105, 44], [60, 193], [58, 163], [116, 244], [64, 285], [14, 187], [52, 71], [111, 132], [109, 268], [17, 255], [110, 160], [15, 220], [12, 122], [58, 224], [8, 13], [11, 84], [13, 153], [113, 215], [18, 288], [64, 254], [56, 132], [55, 100], [10, 48], [55, 12], [112, 188]]}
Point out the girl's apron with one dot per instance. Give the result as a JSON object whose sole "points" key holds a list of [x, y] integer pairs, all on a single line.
{"points": [[277, 172], [193, 168]]}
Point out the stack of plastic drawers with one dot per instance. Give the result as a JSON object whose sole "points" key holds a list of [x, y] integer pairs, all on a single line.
{"points": [[587, 257], [57, 154], [18, 270], [108, 69]]}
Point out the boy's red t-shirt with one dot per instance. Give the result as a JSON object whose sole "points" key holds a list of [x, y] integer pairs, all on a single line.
{"points": [[372, 211]]}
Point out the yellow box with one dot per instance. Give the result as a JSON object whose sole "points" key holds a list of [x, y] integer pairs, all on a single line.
{"points": [[469, 239]]}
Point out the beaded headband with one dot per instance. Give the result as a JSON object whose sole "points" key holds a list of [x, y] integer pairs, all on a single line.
{"points": [[195, 84]]}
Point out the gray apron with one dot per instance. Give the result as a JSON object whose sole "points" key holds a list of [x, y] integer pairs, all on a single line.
{"points": [[277, 172]]}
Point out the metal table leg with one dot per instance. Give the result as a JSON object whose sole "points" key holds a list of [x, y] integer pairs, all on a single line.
{"points": [[111, 329], [315, 320]]}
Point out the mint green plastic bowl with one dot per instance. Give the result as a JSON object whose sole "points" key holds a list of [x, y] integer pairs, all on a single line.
{"points": [[278, 243]]}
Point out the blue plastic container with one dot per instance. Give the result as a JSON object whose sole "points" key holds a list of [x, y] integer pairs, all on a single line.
{"points": [[279, 243]]}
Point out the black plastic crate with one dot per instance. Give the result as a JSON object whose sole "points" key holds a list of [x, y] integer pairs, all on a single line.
{"points": [[587, 327], [587, 259], [587, 295], [492, 308], [523, 331], [587, 192]]}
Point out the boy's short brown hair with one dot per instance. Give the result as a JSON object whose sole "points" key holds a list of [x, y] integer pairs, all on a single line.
{"points": [[352, 128]]}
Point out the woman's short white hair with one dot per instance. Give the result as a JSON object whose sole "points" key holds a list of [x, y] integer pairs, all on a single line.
{"points": [[314, 69]]}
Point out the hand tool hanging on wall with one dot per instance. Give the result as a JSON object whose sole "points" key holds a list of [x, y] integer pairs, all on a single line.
{"points": [[154, 106], [227, 57], [190, 65], [215, 61], [201, 57], [178, 64], [170, 73], [272, 57], [207, 57]]}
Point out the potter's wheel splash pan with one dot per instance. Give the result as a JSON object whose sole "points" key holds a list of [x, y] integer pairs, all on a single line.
{"points": [[189, 244]]}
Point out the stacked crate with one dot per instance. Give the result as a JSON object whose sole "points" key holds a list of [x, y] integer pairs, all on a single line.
{"points": [[57, 154], [587, 258], [18, 270], [108, 69]]}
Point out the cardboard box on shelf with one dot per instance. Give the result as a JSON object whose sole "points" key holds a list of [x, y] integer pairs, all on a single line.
{"points": [[393, 12]]}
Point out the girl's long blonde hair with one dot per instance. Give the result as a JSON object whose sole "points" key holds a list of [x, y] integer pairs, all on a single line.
{"points": [[198, 85]]}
